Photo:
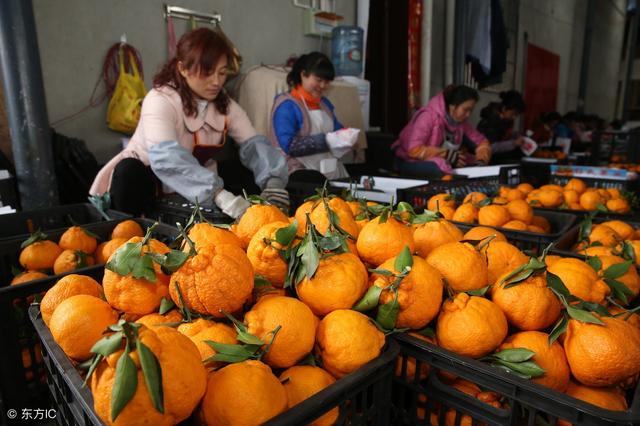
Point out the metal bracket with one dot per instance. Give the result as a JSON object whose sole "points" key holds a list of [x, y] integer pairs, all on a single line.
{"points": [[187, 14]]}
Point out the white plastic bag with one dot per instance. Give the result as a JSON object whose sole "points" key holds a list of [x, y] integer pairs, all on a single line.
{"points": [[528, 146], [342, 141]]}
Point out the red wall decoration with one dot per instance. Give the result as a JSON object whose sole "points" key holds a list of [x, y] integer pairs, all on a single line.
{"points": [[541, 86]]}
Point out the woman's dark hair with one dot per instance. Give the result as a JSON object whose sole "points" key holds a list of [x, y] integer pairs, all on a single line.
{"points": [[315, 63], [199, 51], [512, 100], [549, 117], [455, 95]]}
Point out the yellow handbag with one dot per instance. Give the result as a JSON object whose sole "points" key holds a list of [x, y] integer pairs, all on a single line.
{"points": [[123, 113]]}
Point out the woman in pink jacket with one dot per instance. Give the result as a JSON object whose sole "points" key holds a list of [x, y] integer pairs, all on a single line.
{"points": [[431, 144], [185, 119]]}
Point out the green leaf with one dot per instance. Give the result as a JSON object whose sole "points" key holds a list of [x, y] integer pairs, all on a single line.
{"points": [[260, 281], [528, 368], [233, 350], [594, 307], [518, 278], [479, 291], [514, 355], [619, 290], [428, 332], [143, 268], [554, 282], [101, 203], [223, 226], [309, 360], [404, 260], [125, 258], [237, 324], [186, 314], [92, 367], [81, 259], [384, 272], [585, 229], [602, 208], [558, 329], [89, 233], [369, 300], [384, 216], [108, 344], [124, 385], [152, 374], [388, 314], [628, 252], [248, 338], [38, 235], [166, 305], [583, 316], [426, 216], [484, 202], [174, 260], [330, 243], [617, 270], [285, 235], [310, 259], [594, 262]]}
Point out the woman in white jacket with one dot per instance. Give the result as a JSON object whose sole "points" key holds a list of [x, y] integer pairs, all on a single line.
{"points": [[185, 119]]}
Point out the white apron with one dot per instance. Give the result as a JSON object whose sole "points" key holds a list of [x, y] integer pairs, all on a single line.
{"points": [[323, 162]]}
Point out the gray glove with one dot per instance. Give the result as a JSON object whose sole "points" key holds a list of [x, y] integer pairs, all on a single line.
{"points": [[279, 197]]}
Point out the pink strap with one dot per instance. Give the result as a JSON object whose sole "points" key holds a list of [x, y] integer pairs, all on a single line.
{"points": [[171, 38]]}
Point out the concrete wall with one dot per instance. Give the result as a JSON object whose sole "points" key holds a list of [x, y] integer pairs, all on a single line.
{"points": [[74, 37]]}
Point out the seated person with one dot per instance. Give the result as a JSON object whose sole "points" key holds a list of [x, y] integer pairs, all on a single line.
{"points": [[496, 123], [431, 143], [302, 118]]}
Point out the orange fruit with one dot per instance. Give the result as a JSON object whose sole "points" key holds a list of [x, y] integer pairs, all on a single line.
{"points": [[516, 225], [380, 241], [550, 358], [217, 278], [608, 398], [76, 238], [500, 201], [576, 185], [580, 279], [430, 235], [604, 235], [493, 215], [127, 229], [596, 251], [202, 234], [301, 215], [27, 276], [453, 418], [623, 229], [515, 194], [602, 355], [465, 213], [635, 244], [525, 187], [183, 381], [156, 320], [533, 198], [254, 218], [471, 326], [633, 319], [550, 259], [614, 193], [474, 197], [411, 362], [137, 295], [78, 322], [216, 332], [447, 212], [619, 205], [264, 253], [481, 232], [39, 255], [462, 267], [590, 200], [575, 206], [339, 282], [606, 196], [541, 222], [438, 201], [529, 305], [67, 286], [419, 293], [107, 248], [320, 217], [571, 197], [243, 394], [302, 382], [536, 229], [502, 258], [520, 210], [346, 340], [70, 260], [296, 337], [551, 198], [552, 187], [194, 327]]}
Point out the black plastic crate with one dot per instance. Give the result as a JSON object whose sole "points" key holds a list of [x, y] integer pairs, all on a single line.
{"points": [[23, 223], [526, 402], [20, 385], [174, 208], [363, 396]]}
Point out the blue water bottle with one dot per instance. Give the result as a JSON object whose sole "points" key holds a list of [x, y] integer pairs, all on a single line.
{"points": [[346, 50]]}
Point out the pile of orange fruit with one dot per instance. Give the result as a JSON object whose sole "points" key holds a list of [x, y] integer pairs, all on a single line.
{"points": [[77, 248], [509, 211], [548, 153], [613, 237], [235, 318], [632, 167]]}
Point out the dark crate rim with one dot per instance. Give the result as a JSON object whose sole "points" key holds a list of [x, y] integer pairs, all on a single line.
{"points": [[521, 390], [319, 403]]}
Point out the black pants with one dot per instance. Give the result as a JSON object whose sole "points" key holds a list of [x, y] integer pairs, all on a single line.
{"points": [[133, 187]]}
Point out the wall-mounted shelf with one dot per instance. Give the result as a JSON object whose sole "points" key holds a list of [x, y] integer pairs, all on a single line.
{"points": [[189, 14]]}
